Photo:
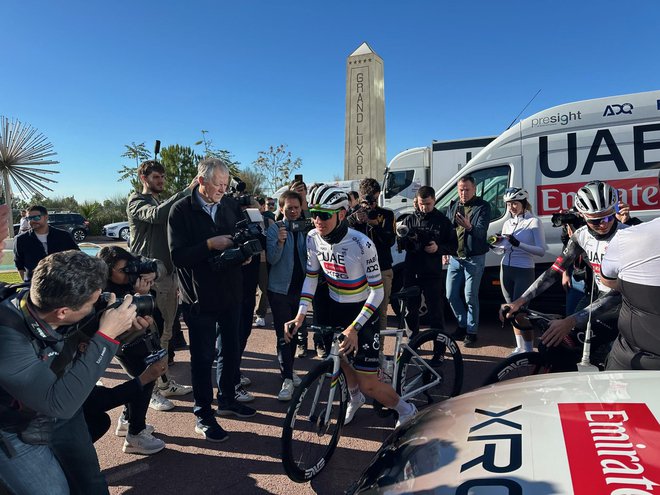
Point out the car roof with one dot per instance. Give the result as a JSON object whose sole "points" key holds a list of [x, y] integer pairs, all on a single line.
{"points": [[545, 434]]}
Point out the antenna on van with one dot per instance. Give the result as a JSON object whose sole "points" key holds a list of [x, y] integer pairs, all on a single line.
{"points": [[516, 118]]}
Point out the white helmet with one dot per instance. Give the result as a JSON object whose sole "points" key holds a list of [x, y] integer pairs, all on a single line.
{"points": [[515, 194], [327, 197], [596, 197]]}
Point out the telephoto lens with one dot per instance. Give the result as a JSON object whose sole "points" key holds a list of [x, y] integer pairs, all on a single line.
{"points": [[144, 304]]}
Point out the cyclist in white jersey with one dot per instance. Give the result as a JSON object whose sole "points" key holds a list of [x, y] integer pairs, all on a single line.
{"points": [[595, 201], [348, 260]]}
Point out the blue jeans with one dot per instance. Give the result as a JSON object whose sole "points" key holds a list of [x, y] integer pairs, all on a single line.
{"points": [[466, 271], [211, 335], [34, 469]]}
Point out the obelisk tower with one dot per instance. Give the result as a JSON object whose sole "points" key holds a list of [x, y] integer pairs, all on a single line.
{"points": [[365, 115]]}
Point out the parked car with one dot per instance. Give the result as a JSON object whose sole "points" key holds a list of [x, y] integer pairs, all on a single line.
{"points": [[74, 223], [117, 230], [580, 433]]}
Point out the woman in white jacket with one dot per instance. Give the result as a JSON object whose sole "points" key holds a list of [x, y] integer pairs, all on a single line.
{"points": [[522, 239]]}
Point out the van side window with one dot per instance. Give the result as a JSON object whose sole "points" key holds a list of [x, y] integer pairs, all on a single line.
{"points": [[491, 183], [397, 182]]}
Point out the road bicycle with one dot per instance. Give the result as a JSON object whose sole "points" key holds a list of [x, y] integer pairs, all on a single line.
{"points": [[425, 370], [563, 357]]}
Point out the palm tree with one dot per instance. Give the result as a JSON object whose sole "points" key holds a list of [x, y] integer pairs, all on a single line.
{"points": [[22, 148]]}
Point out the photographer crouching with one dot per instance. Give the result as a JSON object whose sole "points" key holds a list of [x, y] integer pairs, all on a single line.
{"points": [[45, 446], [129, 274]]}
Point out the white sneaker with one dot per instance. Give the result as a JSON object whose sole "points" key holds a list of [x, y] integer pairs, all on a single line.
{"points": [[260, 322], [243, 395], [296, 380], [352, 408], [142, 443], [245, 381], [160, 403], [122, 428], [517, 350], [287, 390], [404, 418], [174, 389]]}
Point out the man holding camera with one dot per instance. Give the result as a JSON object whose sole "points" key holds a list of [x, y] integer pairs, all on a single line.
{"points": [[34, 245], [45, 446], [430, 236], [200, 231], [147, 220], [378, 224]]}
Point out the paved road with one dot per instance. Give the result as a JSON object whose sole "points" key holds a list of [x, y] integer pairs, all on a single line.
{"points": [[249, 462]]}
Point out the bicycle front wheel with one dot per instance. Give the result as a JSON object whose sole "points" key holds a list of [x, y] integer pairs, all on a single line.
{"points": [[435, 368], [518, 365], [313, 422]]}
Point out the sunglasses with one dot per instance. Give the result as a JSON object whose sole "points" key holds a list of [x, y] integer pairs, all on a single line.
{"points": [[34, 218], [598, 221], [322, 214]]}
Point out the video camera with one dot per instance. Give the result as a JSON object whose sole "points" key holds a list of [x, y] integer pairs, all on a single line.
{"points": [[418, 236], [247, 241], [138, 266], [567, 217], [237, 191]]}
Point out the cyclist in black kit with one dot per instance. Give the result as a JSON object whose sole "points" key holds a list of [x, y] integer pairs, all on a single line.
{"points": [[349, 263]]}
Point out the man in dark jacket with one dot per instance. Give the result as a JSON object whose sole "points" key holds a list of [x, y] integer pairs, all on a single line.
{"points": [[200, 229], [378, 224], [470, 215], [430, 236], [33, 246], [45, 446]]}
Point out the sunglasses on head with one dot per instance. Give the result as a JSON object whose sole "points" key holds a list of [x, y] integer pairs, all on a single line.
{"points": [[322, 214], [598, 221], [34, 218]]}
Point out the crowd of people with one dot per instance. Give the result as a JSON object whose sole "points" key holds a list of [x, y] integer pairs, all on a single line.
{"points": [[319, 248]]}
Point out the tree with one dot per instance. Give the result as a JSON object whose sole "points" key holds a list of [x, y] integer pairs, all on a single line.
{"points": [[139, 153], [180, 164], [224, 155], [254, 181], [276, 164]]}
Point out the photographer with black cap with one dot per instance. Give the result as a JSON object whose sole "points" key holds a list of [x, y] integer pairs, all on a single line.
{"points": [[129, 274], [45, 446]]}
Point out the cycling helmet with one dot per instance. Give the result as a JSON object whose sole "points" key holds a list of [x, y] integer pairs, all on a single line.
{"points": [[596, 197], [327, 197], [515, 194]]}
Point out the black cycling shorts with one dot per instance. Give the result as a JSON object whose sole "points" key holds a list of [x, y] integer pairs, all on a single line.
{"points": [[365, 359]]}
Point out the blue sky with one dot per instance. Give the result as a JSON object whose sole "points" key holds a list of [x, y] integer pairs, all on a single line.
{"points": [[93, 76]]}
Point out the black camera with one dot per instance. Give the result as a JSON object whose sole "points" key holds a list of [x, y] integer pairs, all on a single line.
{"points": [[144, 304], [237, 191], [139, 266], [567, 217], [247, 240], [416, 237]]}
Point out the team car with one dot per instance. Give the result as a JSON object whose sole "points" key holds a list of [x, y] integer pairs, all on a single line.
{"points": [[118, 230], [567, 433]]}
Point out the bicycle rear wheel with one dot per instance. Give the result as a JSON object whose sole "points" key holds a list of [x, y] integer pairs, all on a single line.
{"points": [[439, 359], [308, 440], [518, 365]]}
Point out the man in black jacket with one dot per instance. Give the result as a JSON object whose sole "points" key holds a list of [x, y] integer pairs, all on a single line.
{"points": [[470, 215], [200, 229], [430, 236], [44, 443], [378, 224], [33, 246]]}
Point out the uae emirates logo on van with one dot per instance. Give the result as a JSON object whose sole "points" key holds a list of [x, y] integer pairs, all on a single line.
{"points": [[611, 110], [612, 448]]}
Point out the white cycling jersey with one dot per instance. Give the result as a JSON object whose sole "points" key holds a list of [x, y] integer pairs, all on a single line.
{"points": [[351, 269]]}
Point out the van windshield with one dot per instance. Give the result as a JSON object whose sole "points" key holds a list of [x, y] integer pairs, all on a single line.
{"points": [[395, 182], [491, 183]]}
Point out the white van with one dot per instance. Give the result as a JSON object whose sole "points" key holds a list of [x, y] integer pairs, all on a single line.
{"points": [[554, 152]]}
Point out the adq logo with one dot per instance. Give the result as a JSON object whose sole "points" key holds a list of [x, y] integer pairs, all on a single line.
{"points": [[618, 109]]}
